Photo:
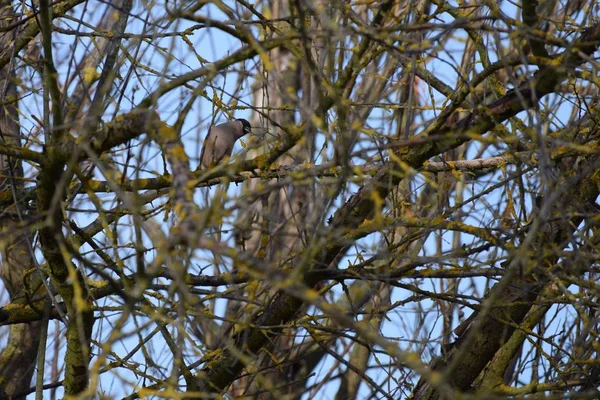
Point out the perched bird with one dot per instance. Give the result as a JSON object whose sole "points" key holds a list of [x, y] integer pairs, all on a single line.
{"points": [[220, 140]]}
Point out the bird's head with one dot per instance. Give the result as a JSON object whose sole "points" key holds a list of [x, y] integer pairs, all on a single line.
{"points": [[246, 125]]}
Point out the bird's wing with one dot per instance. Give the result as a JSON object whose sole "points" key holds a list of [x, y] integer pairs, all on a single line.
{"points": [[204, 144], [222, 147]]}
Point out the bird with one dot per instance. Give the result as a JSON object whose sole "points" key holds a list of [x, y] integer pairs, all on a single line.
{"points": [[219, 142]]}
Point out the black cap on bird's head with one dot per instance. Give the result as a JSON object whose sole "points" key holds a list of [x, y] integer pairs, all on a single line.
{"points": [[246, 125]]}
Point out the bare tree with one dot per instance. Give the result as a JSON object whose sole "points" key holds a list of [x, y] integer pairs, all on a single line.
{"points": [[413, 215]]}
